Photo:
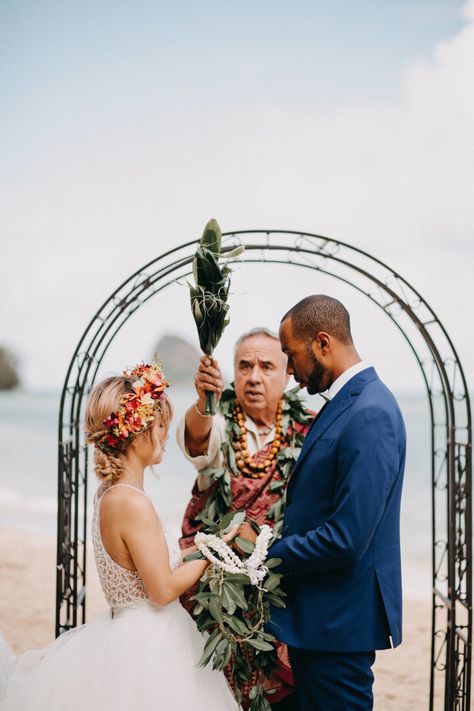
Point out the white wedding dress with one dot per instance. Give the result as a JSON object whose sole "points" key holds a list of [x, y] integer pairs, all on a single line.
{"points": [[137, 656]]}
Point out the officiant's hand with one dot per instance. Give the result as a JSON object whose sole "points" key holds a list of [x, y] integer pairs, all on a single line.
{"points": [[208, 379]]}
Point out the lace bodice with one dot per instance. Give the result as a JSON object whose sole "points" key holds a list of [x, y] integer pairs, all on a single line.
{"points": [[122, 587]]}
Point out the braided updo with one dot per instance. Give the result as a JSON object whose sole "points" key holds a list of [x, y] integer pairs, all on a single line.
{"points": [[104, 399]]}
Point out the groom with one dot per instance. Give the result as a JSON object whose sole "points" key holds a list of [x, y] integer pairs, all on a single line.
{"points": [[340, 548]]}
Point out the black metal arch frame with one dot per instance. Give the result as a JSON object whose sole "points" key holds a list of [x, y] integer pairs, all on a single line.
{"points": [[450, 415]]}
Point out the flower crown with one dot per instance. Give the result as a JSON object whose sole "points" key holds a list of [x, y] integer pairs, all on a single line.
{"points": [[137, 409]]}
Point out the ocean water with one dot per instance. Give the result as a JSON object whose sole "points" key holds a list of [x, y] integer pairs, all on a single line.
{"points": [[28, 474]]}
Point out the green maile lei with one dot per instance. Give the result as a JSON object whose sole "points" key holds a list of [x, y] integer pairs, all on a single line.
{"points": [[219, 501], [233, 613], [228, 607]]}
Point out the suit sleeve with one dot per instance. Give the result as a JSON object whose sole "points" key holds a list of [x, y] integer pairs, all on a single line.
{"points": [[368, 461]]}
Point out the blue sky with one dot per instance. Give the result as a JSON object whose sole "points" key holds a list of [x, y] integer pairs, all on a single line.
{"points": [[265, 52], [125, 126]]}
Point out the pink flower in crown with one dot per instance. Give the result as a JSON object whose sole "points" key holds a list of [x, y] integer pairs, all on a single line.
{"points": [[111, 440], [131, 402], [150, 379], [137, 409], [147, 399]]}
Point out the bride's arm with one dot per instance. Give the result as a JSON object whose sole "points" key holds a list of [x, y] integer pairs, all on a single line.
{"points": [[143, 535]]}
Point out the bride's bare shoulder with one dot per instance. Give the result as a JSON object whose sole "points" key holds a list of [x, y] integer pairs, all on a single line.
{"points": [[127, 501]]}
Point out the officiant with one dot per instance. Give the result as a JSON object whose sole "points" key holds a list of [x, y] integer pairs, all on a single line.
{"points": [[245, 453]]}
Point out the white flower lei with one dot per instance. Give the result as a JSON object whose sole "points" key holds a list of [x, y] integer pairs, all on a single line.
{"points": [[231, 563]]}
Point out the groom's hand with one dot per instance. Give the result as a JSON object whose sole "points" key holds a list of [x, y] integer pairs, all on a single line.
{"points": [[208, 379], [246, 531]]}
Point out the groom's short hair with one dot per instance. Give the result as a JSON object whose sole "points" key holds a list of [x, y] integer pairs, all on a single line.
{"points": [[320, 313]]}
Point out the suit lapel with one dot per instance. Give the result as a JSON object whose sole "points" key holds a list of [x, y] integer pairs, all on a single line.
{"points": [[332, 410]]}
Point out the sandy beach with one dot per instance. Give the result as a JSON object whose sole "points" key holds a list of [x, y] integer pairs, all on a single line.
{"points": [[27, 562]]}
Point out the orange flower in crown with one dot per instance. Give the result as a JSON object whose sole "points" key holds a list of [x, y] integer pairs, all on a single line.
{"points": [[137, 409]]}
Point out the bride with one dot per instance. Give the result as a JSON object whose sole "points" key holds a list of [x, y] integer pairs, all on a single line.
{"points": [[142, 653]]}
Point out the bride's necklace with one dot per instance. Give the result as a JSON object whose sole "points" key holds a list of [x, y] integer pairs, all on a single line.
{"points": [[243, 458]]}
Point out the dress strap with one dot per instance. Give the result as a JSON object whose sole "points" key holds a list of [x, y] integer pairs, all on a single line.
{"points": [[101, 495], [129, 486]]}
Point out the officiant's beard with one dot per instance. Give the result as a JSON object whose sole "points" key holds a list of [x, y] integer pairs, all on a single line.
{"points": [[317, 382]]}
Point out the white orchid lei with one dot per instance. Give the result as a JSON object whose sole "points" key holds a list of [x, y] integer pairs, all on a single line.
{"points": [[233, 604], [230, 561]]}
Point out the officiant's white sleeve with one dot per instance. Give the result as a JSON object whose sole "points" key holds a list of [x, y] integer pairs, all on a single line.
{"points": [[213, 456]]}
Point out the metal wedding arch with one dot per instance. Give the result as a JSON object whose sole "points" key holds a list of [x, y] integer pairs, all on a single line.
{"points": [[450, 419]]}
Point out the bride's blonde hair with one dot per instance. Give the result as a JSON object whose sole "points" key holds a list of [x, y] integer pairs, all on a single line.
{"points": [[105, 399]]}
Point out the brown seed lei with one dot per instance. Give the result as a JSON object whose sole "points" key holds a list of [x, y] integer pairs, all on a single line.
{"points": [[243, 458]]}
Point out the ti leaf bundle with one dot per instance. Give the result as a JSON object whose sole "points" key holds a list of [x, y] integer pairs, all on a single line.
{"points": [[233, 613], [209, 295]]}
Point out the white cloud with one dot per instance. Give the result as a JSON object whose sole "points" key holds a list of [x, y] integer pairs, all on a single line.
{"points": [[394, 179]]}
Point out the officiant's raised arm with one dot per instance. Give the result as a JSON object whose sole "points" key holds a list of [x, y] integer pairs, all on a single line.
{"points": [[198, 425]]}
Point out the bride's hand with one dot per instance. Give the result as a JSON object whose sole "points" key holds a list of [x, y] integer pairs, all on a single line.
{"points": [[230, 534]]}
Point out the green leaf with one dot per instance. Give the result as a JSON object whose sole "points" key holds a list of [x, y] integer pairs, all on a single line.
{"points": [[228, 601], [231, 459], [210, 471], [233, 253], [214, 583], [197, 311], [237, 594], [231, 519], [207, 270], [212, 236], [261, 645], [238, 578], [219, 655], [272, 582], [202, 596], [253, 692], [195, 555], [237, 625], [227, 655], [209, 647], [275, 600], [215, 609], [273, 562], [277, 485], [212, 510]]}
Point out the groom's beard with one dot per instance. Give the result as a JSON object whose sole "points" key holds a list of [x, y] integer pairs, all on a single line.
{"points": [[317, 382]]}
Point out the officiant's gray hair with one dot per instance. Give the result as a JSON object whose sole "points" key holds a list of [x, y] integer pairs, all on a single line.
{"points": [[258, 331]]}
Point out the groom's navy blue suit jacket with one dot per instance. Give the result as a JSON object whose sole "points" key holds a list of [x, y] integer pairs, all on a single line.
{"points": [[340, 544]]}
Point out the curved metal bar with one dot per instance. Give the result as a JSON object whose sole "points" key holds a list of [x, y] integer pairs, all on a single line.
{"points": [[451, 455]]}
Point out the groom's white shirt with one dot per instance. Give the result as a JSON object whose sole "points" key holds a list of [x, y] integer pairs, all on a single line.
{"points": [[345, 377]]}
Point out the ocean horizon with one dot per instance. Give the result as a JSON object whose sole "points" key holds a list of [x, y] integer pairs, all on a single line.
{"points": [[28, 473]]}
